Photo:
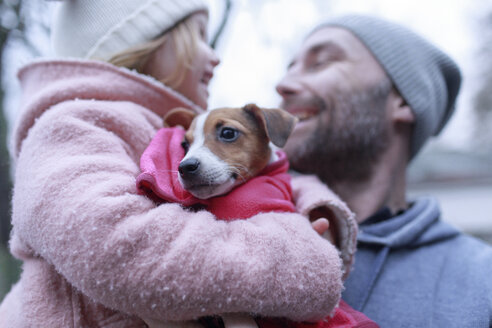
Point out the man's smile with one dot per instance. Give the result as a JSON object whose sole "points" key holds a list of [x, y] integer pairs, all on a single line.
{"points": [[302, 111]]}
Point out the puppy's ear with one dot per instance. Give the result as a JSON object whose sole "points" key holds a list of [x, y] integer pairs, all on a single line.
{"points": [[179, 116], [278, 124]]}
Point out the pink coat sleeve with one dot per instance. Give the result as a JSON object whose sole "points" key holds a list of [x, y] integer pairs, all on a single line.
{"points": [[76, 206], [309, 194]]}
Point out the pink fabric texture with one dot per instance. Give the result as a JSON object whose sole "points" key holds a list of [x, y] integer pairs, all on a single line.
{"points": [[309, 194], [98, 254], [270, 191]]}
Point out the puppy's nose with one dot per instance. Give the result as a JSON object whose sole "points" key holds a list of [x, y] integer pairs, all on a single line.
{"points": [[189, 167]]}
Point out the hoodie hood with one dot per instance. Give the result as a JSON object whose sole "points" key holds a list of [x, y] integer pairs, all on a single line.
{"points": [[417, 226], [46, 83]]}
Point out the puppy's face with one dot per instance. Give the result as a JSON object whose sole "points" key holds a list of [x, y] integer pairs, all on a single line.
{"points": [[226, 147]]}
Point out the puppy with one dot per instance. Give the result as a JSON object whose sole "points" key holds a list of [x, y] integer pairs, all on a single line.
{"points": [[224, 148], [228, 146]]}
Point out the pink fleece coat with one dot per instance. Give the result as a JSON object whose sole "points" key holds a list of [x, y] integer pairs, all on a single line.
{"points": [[97, 254]]}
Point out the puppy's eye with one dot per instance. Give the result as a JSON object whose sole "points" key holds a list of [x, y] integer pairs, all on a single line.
{"points": [[228, 134], [186, 145]]}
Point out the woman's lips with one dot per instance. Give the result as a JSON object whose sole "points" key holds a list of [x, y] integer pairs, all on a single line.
{"points": [[207, 76]]}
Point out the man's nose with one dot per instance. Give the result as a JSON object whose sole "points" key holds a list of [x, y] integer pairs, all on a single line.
{"points": [[288, 86]]}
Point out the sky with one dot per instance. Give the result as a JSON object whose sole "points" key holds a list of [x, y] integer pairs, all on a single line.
{"points": [[262, 36]]}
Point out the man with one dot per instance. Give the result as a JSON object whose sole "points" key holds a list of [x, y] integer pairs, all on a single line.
{"points": [[369, 94]]}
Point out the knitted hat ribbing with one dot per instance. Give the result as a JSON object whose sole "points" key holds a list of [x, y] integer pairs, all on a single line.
{"points": [[99, 29], [427, 78]]}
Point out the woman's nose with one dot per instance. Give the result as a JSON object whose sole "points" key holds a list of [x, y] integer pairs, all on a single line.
{"points": [[214, 59]]}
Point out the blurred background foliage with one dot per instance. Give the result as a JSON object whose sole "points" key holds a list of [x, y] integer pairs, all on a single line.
{"points": [[9, 267], [482, 100], [460, 178]]}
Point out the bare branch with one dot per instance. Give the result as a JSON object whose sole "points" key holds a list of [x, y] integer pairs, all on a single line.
{"points": [[223, 23]]}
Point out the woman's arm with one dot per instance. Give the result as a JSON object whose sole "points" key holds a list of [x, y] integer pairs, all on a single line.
{"points": [[76, 205], [315, 200]]}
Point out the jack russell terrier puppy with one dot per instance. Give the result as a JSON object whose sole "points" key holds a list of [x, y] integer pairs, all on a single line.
{"points": [[224, 148]]}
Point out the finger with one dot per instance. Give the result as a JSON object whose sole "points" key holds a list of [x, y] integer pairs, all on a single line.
{"points": [[321, 225]]}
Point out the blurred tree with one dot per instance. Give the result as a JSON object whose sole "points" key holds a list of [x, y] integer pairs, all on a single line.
{"points": [[21, 25], [5, 183], [223, 23], [9, 17], [17, 20], [483, 98], [9, 13]]}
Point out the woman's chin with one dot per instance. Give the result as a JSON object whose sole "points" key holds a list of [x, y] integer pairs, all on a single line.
{"points": [[202, 95]]}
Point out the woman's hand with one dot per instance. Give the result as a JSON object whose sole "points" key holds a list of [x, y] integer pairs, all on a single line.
{"points": [[321, 225], [320, 221]]}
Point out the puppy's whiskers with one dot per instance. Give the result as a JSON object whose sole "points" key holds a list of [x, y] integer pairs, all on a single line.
{"points": [[236, 168]]}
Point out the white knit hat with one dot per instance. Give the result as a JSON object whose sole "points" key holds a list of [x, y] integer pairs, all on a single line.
{"points": [[99, 29]]}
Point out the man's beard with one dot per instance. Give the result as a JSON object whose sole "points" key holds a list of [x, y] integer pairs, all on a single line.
{"points": [[346, 148]]}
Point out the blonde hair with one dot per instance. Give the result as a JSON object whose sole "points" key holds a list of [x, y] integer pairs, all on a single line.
{"points": [[184, 36]]}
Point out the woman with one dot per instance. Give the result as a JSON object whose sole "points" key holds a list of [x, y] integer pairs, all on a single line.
{"points": [[95, 252]]}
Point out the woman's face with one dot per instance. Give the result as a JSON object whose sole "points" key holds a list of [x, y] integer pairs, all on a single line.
{"points": [[194, 86]]}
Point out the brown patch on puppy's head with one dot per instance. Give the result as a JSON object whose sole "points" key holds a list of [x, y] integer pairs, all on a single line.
{"points": [[277, 123], [241, 136], [238, 140]]}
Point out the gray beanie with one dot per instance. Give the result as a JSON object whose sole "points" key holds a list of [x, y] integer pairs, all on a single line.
{"points": [[427, 78]]}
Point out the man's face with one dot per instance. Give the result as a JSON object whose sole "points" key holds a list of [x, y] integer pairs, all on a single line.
{"points": [[339, 92]]}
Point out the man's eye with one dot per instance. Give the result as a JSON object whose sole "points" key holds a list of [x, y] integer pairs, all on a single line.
{"points": [[228, 134], [317, 64], [186, 145], [320, 60]]}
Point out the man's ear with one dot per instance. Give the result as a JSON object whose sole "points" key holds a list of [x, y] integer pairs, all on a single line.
{"points": [[400, 110], [179, 116], [277, 123]]}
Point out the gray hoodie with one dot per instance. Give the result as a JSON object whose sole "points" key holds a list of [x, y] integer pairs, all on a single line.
{"points": [[413, 270]]}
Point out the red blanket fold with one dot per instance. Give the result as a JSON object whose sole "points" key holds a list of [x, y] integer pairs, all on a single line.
{"points": [[344, 317]]}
